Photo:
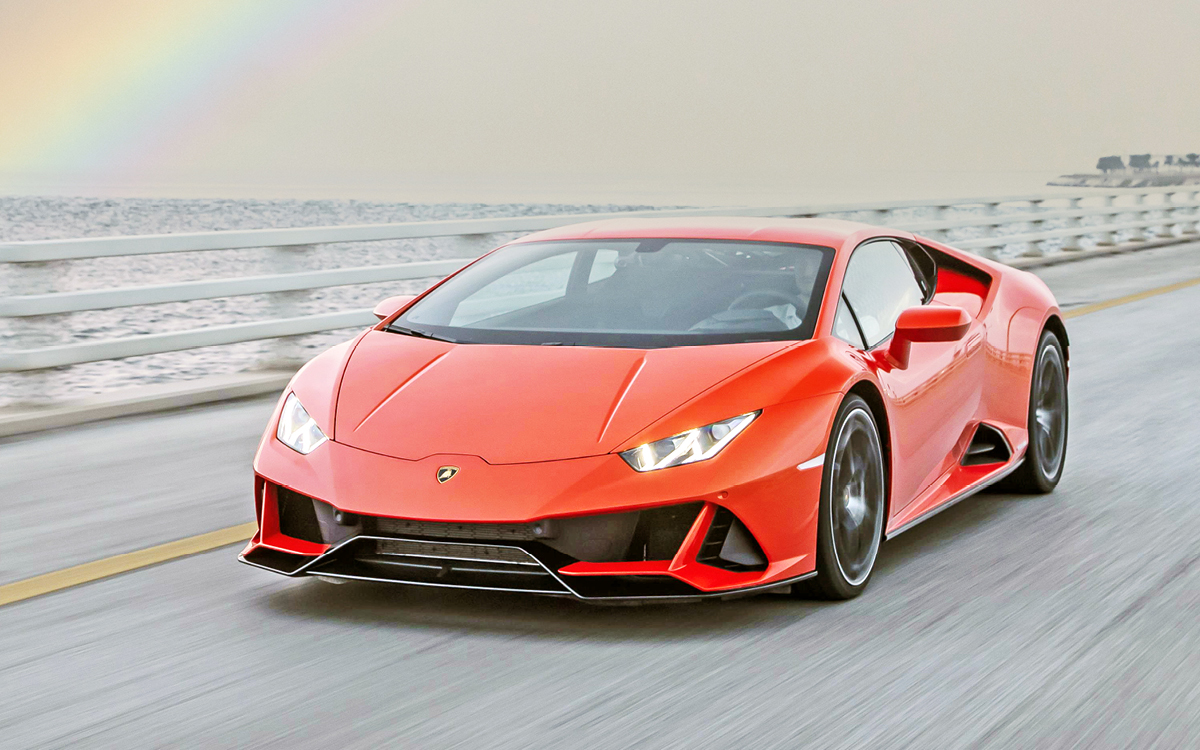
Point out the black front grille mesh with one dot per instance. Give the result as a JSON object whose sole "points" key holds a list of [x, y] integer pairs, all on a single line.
{"points": [[452, 551], [425, 563], [495, 532]]}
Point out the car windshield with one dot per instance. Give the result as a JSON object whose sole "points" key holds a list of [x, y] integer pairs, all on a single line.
{"points": [[630, 292]]}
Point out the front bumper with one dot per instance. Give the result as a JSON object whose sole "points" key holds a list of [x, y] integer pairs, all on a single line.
{"points": [[743, 522], [677, 552]]}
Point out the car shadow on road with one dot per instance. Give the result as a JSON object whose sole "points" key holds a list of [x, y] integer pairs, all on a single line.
{"points": [[409, 607], [954, 525], [384, 605]]}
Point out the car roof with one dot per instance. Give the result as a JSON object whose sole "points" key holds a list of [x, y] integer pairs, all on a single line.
{"points": [[825, 232]]}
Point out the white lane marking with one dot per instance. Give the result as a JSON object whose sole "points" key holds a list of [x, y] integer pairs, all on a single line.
{"points": [[812, 463]]}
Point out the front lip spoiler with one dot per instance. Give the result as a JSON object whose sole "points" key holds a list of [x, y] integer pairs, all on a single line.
{"points": [[568, 590]]}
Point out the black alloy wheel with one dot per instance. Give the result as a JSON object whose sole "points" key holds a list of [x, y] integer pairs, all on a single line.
{"points": [[853, 504], [1047, 451]]}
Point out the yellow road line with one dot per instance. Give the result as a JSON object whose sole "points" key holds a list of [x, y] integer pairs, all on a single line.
{"points": [[1096, 307], [111, 566]]}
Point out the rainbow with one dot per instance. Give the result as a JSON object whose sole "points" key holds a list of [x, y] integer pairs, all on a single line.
{"points": [[90, 88]]}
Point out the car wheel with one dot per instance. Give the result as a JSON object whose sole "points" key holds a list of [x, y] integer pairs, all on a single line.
{"points": [[853, 502], [1047, 451]]}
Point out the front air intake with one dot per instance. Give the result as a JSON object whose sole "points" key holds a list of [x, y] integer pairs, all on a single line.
{"points": [[730, 545], [297, 515], [660, 531]]}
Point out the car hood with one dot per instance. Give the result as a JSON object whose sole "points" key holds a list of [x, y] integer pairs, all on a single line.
{"points": [[411, 398]]}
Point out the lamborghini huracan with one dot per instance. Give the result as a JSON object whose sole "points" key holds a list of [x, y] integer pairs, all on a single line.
{"points": [[665, 409]]}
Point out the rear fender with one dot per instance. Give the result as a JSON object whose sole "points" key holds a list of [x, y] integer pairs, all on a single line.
{"points": [[1024, 332]]}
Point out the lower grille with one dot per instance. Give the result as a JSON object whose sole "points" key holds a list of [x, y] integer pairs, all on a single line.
{"points": [[496, 532], [625, 536], [472, 566], [452, 551]]}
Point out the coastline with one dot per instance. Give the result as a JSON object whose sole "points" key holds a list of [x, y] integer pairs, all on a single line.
{"points": [[1127, 180]]}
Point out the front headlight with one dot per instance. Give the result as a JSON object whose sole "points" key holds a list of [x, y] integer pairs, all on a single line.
{"points": [[699, 444], [296, 429]]}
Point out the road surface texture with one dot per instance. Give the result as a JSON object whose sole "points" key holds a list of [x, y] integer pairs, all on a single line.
{"points": [[1068, 620]]}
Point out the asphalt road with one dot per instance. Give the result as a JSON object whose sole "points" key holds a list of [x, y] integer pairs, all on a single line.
{"points": [[1061, 621]]}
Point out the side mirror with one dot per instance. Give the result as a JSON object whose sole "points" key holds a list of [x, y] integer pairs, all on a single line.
{"points": [[392, 305], [932, 323]]}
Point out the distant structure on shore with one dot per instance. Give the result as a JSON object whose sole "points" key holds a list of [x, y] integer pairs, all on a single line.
{"points": [[1141, 170]]}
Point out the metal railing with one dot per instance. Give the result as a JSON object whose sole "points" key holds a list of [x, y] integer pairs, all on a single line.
{"points": [[1035, 224]]}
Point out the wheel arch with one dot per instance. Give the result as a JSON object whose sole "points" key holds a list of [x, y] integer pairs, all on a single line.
{"points": [[1055, 325], [869, 392]]}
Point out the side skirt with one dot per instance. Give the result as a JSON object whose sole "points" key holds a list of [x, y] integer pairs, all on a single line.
{"points": [[963, 495]]}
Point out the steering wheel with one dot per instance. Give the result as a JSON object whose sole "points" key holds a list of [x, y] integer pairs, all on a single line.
{"points": [[778, 297]]}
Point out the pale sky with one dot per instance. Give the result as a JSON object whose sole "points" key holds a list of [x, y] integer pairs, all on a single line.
{"points": [[655, 100]]}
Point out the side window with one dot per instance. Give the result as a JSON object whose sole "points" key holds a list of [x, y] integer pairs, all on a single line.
{"points": [[880, 284], [845, 328]]}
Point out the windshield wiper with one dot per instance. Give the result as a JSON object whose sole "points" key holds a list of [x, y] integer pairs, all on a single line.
{"points": [[419, 334]]}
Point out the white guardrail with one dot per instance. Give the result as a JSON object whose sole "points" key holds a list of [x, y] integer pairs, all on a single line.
{"points": [[1037, 224]]}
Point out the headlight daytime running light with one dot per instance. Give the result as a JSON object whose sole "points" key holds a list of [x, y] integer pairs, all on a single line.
{"points": [[297, 430], [699, 444]]}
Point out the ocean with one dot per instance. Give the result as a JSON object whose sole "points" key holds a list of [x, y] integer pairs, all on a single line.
{"points": [[48, 217]]}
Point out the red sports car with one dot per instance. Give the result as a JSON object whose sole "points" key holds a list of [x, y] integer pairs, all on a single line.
{"points": [[665, 409]]}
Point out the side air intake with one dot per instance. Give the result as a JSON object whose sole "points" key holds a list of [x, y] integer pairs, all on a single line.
{"points": [[987, 446]]}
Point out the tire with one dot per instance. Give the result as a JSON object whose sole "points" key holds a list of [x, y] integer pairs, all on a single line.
{"points": [[853, 504], [1047, 422]]}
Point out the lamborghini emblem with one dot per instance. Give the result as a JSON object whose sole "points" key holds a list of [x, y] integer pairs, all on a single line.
{"points": [[446, 473]]}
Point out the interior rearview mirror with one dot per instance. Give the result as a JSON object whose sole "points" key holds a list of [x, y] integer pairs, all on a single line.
{"points": [[392, 305], [929, 323]]}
